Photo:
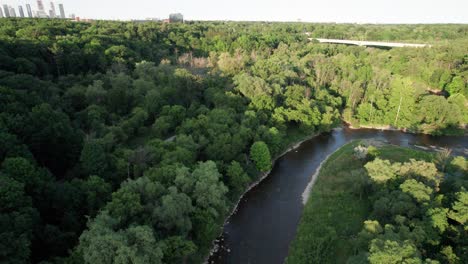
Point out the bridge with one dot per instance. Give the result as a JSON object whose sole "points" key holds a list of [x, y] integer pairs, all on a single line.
{"points": [[370, 43]]}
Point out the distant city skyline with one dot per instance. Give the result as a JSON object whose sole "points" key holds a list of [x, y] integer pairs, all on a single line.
{"points": [[340, 11], [8, 9]]}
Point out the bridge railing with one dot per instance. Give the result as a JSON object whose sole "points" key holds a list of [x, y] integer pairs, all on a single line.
{"points": [[370, 43]]}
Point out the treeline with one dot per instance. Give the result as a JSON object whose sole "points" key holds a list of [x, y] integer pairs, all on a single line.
{"points": [[129, 142], [57, 48]]}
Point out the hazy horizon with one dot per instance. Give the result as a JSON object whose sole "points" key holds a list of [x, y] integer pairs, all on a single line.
{"points": [[331, 11]]}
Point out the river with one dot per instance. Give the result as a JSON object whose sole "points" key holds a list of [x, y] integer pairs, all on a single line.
{"points": [[267, 217]]}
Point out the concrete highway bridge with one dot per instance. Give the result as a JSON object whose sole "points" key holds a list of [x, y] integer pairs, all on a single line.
{"points": [[370, 43]]}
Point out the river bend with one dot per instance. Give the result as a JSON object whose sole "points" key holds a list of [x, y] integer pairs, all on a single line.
{"points": [[267, 217]]}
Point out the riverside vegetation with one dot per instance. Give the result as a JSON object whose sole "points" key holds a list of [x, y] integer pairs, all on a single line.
{"points": [[385, 205], [125, 142]]}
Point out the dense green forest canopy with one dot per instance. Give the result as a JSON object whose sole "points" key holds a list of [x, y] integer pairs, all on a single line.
{"points": [[125, 142]]}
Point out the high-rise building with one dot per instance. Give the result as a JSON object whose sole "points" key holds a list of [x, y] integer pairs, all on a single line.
{"points": [[40, 5], [28, 8], [174, 18], [52, 12], [6, 10], [21, 11], [12, 12], [41, 12], [62, 11], [1, 13]]}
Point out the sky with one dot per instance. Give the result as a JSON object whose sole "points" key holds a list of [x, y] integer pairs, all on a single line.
{"points": [[348, 11]]}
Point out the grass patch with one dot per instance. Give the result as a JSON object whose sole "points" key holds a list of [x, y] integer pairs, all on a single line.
{"points": [[402, 154]]}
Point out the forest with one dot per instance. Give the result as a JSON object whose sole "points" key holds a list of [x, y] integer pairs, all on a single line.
{"points": [[395, 205], [126, 142]]}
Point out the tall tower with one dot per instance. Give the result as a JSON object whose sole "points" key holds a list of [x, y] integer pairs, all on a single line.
{"points": [[52, 12], [62, 11], [6, 10], [12, 12], [21, 11], [28, 8], [40, 5], [41, 11]]}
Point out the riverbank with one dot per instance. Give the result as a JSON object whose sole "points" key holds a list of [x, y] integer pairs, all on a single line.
{"points": [[308, 189], [462, 130], [332, 213], [254, 184], [310, 185]]}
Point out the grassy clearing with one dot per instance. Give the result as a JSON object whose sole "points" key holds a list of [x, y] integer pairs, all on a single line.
{"points": [[337, 207], [402, 154]]}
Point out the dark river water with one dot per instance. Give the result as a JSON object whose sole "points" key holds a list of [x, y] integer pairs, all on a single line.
{"points": [[265, 224]]}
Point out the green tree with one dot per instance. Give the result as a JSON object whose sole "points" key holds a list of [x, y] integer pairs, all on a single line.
{"points": [[260, 154], [458, 165], [438, 218], [176, 249], [401, 103], [52, 138], [95, 93], [209, 191], [135, 122], [35, 180], [417, 190], [97, 192], [102, 244], [436, 114], [390, 251], [174, 212], [125, 206], [460, 101], [237, 179], [457, 86], [16, 221], [120, 97], [421, 170], [381, 171], [459, 210], [10, 146], [93, 158]]}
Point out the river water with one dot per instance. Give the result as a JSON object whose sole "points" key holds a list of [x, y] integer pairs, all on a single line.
{"points": [[267, 217]]}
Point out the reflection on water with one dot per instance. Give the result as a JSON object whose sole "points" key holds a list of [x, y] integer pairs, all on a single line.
{"points": [[267, 217]]}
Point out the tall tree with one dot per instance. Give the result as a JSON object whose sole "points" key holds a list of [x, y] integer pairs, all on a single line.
{"points": [[260, 154]]}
